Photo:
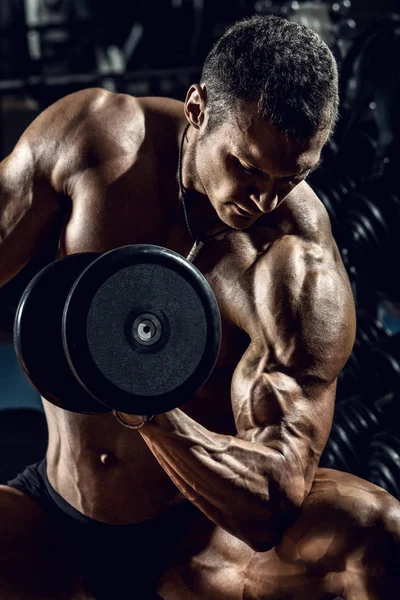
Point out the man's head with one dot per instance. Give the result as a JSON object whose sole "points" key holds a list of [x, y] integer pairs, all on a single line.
{"points": [[284, 68], [265, 106]]}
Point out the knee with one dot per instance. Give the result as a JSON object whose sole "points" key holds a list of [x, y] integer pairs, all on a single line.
{"points": [[375, 551], [386, 530], [373, 566], [375, 526], [332, 530], [390, 515], [378, 516]]}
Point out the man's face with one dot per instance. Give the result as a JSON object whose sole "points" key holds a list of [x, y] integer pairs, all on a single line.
{"points": [[247, 167]]}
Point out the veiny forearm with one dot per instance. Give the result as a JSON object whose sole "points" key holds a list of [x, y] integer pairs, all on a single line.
{"points": [[238, 484]]}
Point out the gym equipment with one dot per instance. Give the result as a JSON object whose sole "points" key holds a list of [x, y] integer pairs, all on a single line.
{"points": [[383, 464], [332, 187], [372, 377], [370, 222], [370, 85], [136, 329], [38, 340], [353, 378], [355, 421], [11, 292]]}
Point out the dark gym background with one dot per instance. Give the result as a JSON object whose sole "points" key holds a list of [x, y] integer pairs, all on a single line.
{"points": [[49, 48]]}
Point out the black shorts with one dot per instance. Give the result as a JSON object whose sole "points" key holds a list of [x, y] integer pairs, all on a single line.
{"points": [[117, 562]]}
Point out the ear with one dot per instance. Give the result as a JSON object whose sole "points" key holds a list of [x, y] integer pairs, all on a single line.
{"points": [[195, 105]]}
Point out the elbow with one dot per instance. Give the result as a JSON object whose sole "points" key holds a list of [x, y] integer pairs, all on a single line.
{"points": [[261, 543], [265, 532], [264, 537], [261, 538], [268, 535]]}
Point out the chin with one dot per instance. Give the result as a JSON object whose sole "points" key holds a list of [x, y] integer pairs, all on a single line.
{"points": [[242, 227], [235, 220], [239, 223]]}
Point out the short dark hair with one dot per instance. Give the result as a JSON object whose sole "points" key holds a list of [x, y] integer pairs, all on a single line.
{"points": [[284, 67]]}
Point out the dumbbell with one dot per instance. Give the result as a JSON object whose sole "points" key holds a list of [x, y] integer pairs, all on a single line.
{"points": [[136, 329]]}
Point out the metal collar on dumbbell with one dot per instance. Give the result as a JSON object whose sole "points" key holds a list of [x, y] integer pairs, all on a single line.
{"points": [[198, 241], [143, 420]]}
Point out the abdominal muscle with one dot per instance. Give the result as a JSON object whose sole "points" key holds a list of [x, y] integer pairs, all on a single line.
{"points": [[105, 471]]}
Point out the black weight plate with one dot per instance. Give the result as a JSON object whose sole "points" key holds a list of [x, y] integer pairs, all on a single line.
{"points": [[385, 458], [100, 315], [384, 463], [381, 475], [362, 417], [38, 340], [350, 421], [347, 451], [333, 457]]}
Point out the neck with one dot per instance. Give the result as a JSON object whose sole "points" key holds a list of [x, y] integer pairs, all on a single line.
{"points": [[202, 220]]}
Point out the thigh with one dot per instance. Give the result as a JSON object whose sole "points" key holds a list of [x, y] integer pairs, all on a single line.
{"points": [[211, 563], [339, 515], [350, 529], [334, 523], [34, 562]]}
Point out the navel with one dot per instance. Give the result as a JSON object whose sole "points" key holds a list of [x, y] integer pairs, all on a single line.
{"points": [[108, 459]]}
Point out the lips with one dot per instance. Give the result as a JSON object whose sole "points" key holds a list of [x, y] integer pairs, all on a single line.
{"points": [[241, 211]]}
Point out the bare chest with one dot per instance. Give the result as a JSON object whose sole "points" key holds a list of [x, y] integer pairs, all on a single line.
{"points": [[152, 215]]}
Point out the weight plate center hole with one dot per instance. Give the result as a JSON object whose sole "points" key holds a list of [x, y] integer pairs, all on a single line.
{"points": [[147, 329]]}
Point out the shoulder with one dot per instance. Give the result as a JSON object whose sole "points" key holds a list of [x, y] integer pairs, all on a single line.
{"points": [[77, 111], [94, 128], [304, 305], [303, 244], [83, 127], [86, 117], [63, 133], [306, 252]]}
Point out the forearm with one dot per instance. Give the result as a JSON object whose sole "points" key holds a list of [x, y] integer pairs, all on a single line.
{"points": [[227, 478]]}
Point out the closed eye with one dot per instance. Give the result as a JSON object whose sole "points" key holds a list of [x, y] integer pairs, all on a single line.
{"points": [[284, 180], [301, 176], [294, 180], [247, 170]]}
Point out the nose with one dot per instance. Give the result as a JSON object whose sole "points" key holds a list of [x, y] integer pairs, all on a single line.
{"points": [[265, 200]]}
